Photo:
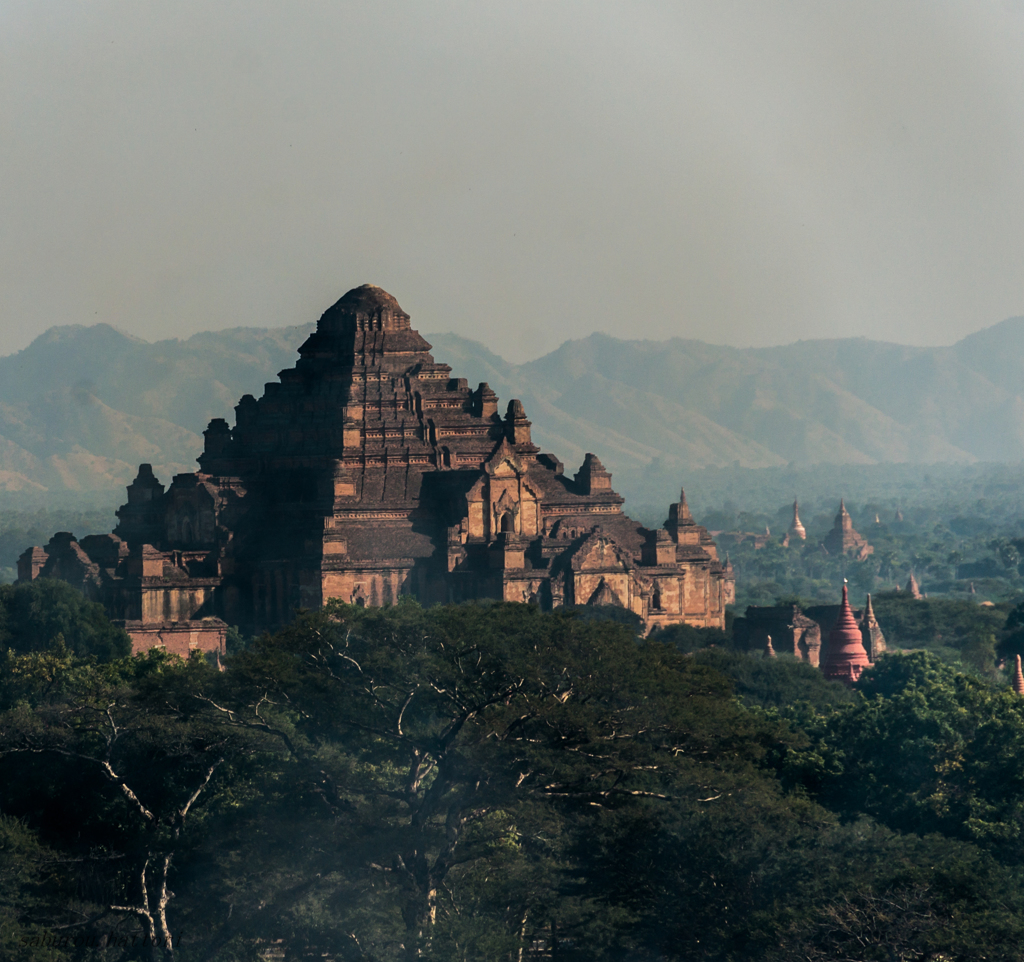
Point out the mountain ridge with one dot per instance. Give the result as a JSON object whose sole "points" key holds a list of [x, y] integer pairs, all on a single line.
{"points": [[81, 405]]}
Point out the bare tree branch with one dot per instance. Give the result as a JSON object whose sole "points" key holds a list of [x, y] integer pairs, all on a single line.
{"points": [[401, 714], [120, 782], [206, 781]]}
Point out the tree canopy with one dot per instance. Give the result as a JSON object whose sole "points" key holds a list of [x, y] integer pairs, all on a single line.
{"points": [[490, 782], [34, 615]]}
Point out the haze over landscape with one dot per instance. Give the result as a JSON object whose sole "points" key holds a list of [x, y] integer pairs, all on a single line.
{"points": [[82, 406], [739, 173]]}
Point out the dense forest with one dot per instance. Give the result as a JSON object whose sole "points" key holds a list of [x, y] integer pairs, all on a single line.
{"points": [[490, 782]]}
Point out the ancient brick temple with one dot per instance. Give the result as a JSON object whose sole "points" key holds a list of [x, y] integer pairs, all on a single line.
{"points": [[367, 473], [843, 539], [807, 633]]}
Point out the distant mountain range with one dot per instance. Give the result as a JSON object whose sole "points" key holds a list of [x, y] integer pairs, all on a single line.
{"points": [[82, 406]]}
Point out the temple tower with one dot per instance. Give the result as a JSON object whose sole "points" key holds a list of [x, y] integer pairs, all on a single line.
{"points": [[845, 656], [871, 633]]}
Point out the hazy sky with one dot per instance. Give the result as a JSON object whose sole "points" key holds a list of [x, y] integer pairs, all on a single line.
{"points": [[523, 172]]}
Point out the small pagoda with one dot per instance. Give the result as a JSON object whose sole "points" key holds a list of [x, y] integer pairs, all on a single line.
{"points": [[845, 656], [796, 529]]}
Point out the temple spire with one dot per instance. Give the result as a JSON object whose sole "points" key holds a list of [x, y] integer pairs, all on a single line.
{"points": [[1018, 677], [871, 632], [845, 656], [796, 529], [769, 651], [913, 588], [679, 516]]}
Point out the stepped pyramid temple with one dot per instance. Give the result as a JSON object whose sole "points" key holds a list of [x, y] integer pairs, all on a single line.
{"points": [[366, 473]]}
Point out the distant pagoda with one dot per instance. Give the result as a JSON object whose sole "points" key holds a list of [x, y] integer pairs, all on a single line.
{"points": [[843, 539], [796, 529]]}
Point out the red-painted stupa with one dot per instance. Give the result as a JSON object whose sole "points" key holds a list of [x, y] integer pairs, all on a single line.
{"points": [[845, 655]]}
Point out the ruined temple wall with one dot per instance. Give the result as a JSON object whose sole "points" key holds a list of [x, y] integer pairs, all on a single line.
{"points": [[369, 586], [180, 639], [671, 593], [666, 604], [190, 514], [705, 598], [526, 588], [697, 596], [587, 583], [161, 603], [273, 594]]}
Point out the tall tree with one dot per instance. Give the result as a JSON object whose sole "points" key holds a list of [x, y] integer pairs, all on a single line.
{"points": [[152, 764], [450, 737]]}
